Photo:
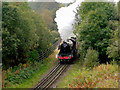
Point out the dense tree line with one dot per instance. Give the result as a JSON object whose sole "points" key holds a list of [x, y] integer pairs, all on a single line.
{"points": [[24, 32], [96, 26]]}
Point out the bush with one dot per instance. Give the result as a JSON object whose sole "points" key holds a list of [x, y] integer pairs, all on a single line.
{"points": [[19, 73], [33, 56], [113, 48], [91, 58], [82, 51]]}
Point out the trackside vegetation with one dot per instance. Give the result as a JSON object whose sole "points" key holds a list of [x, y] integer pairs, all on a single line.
{"points": [[27, 75], [101, 76]]}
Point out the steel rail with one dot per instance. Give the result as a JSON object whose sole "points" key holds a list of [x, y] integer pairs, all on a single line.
{"points": [[51, 77]]}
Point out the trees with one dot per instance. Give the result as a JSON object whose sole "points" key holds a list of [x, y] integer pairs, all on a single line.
{"points": [[48, 12], [93, 26], [18, 32], [113, 48], [23, 32]]}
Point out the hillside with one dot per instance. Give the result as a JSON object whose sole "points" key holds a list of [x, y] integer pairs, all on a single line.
{"points": [[47, 10]]}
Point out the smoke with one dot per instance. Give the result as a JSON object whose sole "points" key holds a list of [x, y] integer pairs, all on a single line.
{"points": [[65, 18]]}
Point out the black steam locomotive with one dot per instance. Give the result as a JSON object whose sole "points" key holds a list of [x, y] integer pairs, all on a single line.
{"points": [[68, 51]]}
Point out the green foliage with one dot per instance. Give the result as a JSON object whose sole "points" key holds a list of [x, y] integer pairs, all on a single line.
{"points": [[48, 12], [18, 32], [33, 56], [17, 76], [82, 50], [113, 48], [94, 30], [27, 74], [10, 43], [93, 27], [91, 58], [23, 31], [108, 8], [56, 35]]}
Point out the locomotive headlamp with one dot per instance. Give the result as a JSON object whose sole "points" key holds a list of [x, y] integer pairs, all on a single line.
{"points": [[70, 56]]}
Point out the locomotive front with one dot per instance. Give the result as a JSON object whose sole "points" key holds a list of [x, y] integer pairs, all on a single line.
{"points": [[67, 51]]}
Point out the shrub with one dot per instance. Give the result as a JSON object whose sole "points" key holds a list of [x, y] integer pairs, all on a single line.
{"points": [[82, 51], [91, 58], [33, 56], [19, 73], [113, 48]]}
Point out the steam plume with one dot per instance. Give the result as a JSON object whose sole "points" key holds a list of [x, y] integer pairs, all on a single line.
{"points": [[65, 17]]}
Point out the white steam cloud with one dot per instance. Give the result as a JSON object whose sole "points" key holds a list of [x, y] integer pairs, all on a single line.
{"points": [[65, 17]]}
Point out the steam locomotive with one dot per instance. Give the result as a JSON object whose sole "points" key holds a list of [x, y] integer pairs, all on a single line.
{"points": [[68, 51]]}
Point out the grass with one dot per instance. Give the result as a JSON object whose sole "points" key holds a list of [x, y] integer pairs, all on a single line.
{"points": [[102, 76], [29, 83]]}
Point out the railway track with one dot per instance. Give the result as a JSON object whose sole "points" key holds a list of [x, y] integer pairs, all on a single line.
{"points": [[47, 81]]}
